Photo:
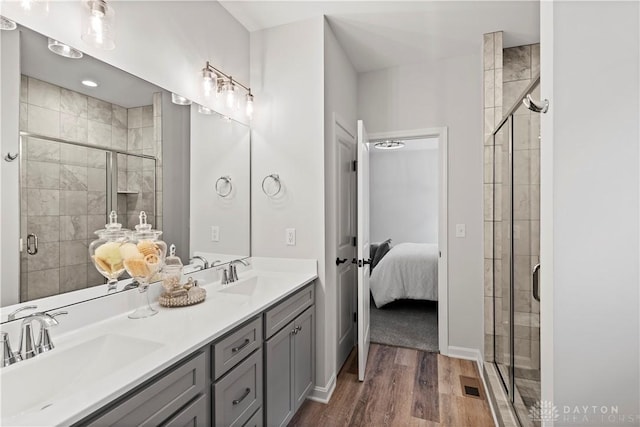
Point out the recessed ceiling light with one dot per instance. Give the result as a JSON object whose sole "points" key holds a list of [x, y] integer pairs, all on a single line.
{"points": [[7, 24], [63, 50], [389, 145], [89, 83], [179, 100]]}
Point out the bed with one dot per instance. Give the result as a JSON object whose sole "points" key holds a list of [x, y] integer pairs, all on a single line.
{"points": [[407, 271]]}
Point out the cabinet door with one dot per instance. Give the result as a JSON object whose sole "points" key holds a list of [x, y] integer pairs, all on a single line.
{"points": [[303, 354], [279, 379]]}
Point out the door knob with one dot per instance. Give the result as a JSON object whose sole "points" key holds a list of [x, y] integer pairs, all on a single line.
{"points": [[340, 260]]}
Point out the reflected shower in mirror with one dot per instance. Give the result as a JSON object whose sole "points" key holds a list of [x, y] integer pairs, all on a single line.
{"points": [[220, 187]]}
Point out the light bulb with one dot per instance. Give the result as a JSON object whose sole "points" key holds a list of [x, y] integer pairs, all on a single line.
{"points": [[249, 106], [231, 95]]}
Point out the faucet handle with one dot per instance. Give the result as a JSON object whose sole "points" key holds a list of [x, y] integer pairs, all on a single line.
{"points": [[8, 356], [225, 278], [12, 315], [44, 340]]}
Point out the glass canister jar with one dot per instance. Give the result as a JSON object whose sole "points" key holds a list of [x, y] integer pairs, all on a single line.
{"points": [[172, 271], [105, 251], [143, 256]]}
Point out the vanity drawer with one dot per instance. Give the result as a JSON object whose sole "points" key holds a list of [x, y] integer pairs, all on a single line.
{"points": [[279, 316], [195, 414], [229, 351], [157, 402], [255, 420], [238, 395]]}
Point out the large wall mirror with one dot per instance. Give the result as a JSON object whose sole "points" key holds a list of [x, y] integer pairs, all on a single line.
{"points": [[94, 138]]}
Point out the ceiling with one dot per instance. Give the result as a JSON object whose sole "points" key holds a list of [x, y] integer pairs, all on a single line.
{"points": [[384, 34], [115, 86]]}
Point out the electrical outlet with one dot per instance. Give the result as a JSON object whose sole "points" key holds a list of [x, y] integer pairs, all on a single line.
{"points": [[461, 230], [290, 236], [215, 233]]}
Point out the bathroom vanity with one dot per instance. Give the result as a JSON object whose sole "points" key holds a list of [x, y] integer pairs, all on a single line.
{"points": [[244, 357]]}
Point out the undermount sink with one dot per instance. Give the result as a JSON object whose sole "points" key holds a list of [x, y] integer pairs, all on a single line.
{"points": [[248, 287], [36, 384]]}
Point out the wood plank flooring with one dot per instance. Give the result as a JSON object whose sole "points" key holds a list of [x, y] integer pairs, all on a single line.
{"points": [[403, 387]]}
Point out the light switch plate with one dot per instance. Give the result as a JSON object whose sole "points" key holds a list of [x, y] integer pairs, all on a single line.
{"points": [[461, 230], [290, 236], [215, 233]]}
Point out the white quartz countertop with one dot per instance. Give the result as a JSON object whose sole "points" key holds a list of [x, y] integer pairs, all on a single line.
{"points": [[177, 331]]}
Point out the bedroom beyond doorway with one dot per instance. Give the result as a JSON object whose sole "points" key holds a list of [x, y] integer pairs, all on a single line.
{"points": [[405, 194]]}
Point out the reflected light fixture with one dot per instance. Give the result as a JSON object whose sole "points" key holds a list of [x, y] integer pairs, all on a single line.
{"points": [[98, 24], [7, 24], [204, 110], [89, 83], [216, 80], [63, 50], [26, 4], [179, 100], [389, 145]]}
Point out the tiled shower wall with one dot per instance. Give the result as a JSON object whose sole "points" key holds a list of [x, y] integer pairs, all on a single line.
{"points": [[63, 187], [507, 72]]}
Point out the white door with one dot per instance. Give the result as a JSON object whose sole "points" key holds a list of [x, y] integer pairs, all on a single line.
{"points": [[346, 271], [363, 249]]}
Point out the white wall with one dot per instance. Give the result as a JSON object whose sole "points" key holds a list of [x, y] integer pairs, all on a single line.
{"points": [[219, 148], [404, 195], [9, 172], [340, 95], [287, 77], [443, 93], [590, 208]]}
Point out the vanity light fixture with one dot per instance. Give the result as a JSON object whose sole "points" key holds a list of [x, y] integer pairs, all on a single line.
{"points": [[389, 145], [98, 24], [179, 100], [215, 80], [7, 24], [89, 83], [63, 50]]}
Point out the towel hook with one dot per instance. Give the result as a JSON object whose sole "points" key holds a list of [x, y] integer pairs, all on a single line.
{"points": [[276, 180], [226, 179]]}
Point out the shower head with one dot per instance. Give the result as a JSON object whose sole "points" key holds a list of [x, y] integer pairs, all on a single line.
{"points": [[536, 106]]}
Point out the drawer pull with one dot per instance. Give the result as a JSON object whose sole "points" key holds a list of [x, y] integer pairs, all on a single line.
{"points": [[244, 396], [246, 342]]}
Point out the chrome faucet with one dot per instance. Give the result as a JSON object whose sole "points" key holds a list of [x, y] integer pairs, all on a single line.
{"points": [[233, 271], [205, 263], [8, 356], [28, 346]]}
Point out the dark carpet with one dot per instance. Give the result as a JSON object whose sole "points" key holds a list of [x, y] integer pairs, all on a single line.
{"points": [[406, 323]]}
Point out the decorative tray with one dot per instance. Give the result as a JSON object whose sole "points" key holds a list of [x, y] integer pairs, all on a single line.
{"points": [[183, 297]]}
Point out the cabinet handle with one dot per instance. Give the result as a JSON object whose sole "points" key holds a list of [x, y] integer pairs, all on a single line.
{"points": [[244, 396], [241, 346]]}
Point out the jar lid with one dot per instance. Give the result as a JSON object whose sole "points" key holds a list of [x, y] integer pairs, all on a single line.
{"points": [[144, 230], [173, 261], [113, 230]]}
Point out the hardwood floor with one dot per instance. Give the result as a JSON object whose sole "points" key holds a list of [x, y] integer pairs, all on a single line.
{"points": [[403, 387]]}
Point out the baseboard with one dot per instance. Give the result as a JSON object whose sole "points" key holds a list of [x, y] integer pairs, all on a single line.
{"points": [[323, 394], [475, 355]]}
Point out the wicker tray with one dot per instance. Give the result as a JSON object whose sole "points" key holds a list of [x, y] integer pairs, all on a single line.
{"points": [[194, 296]]}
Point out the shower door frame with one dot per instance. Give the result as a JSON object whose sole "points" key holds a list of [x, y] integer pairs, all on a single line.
{"points": [[508, 120]]}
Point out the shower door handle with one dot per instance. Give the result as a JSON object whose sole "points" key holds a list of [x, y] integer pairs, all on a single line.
{"points": [[32, 244], [536, 282]]}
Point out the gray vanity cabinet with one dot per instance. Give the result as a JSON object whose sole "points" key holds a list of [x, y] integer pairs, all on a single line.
{"points": [[289, 360]]}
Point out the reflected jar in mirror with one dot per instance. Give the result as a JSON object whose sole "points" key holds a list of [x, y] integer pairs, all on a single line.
{"points": [[105, 252], [143, 257]]}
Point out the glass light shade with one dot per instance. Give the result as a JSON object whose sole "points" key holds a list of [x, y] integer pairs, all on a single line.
{"points": [[230, 91], [179, 100], [63, 50], [35, 6], [7, 24], [249, 106], [98, 24], [209, 82]]}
